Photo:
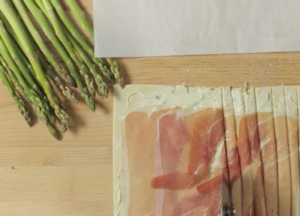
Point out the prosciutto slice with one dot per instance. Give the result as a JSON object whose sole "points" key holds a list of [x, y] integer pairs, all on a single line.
{"points": [[208, 142], [244, 151], [258, 205], [268, 148], [205, 165], [283, 158], [177, 158], [293, 139], [233, 158]]}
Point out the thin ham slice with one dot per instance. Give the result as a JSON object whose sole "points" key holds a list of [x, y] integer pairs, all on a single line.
{"points": [[192, 205], [266, 132], [297, 198], [211, 136], [232, 151], [139, 141], [208, 137], [171, 139], [283, 158], [173, 181], [244, 151], [291, 100], [178, 158], [258, 207]]}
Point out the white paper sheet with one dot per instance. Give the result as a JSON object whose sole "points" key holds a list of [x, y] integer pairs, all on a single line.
{"points": [[139, 28]]}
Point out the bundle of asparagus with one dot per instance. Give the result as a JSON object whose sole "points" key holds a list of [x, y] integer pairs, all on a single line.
{"points": [[33, 75]]}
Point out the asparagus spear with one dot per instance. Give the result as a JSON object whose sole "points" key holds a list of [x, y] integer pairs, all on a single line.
{"points": [[65, 90], [9, 43], [104, 69], [22, 61], [79, 13], [14, 40], [68, 23], [43, 22], [82, 68], [60, 33], [80, 38], [38, 39], [42, 7], [102, 87], [31, 95], [20, 103], [11, 16], [35, 107], [15, 51], [118, 74]]}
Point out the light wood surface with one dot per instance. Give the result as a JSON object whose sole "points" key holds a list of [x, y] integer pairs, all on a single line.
{"points": [[40, 176]]}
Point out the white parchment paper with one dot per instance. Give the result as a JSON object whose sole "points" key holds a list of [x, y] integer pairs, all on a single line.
{"points": [[140, 28]]}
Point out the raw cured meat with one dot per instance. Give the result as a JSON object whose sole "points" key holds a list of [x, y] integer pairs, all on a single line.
{"points": [[179, 144], [232, 151], [208, 135], [139, 140], [244, 151], [258, 205], [293, 139], [206, 163], [283, 158], [297, 196], [268, 148]]}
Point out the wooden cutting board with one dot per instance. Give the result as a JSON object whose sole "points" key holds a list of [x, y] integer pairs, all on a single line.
{"points": [[40, 176]]}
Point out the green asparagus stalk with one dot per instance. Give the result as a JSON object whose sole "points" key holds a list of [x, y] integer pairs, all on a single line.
{"points": [[42, 7], [118, 74], [13, 58], [60, 33], [102, 86], [79, 13], [20, 103], [25, 67], [9, 43], [82, 68], [65, 90], [43, 22], [36, 108], [68, 23], [31, 95], [39, 40], [102, 65], [11, 16], [14, 41], [104, 69], [80, 38]]}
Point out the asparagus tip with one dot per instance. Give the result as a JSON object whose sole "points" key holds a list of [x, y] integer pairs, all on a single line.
{"points": [[63, 116], [88, 99], [70, 80], [28, 119], [67, 92], [102, 89], [41, 114], [23, 110], [90, 85], [51, 117], [64, 127], [53, 131], [108, 75], [121, 82]]}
